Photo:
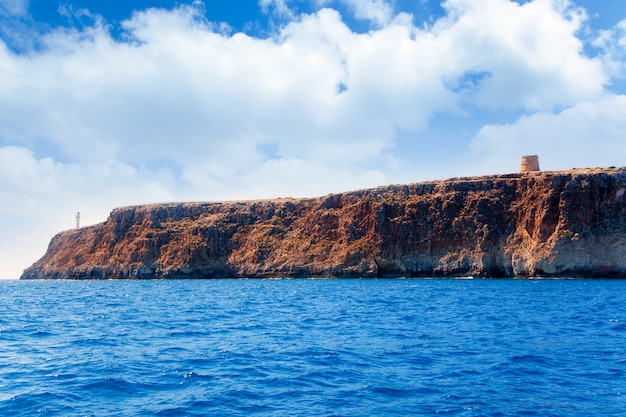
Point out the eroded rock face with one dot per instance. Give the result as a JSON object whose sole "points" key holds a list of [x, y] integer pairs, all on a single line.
{"points": [[569, 223]]}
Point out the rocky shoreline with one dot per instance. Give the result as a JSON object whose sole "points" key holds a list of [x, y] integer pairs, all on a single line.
{"points": [[561, 223]]}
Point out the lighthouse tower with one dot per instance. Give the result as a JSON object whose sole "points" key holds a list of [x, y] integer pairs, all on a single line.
{"points": [[77, 220]]}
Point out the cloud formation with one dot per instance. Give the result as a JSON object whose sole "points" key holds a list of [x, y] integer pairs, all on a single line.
{"points": [[528, 55], [176, 108], [13, 7], [277, 7], [378, 12], [589, 134]]}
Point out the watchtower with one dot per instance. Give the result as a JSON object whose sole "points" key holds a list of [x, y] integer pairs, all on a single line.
{"points": [[77, 217], [529, 163]]}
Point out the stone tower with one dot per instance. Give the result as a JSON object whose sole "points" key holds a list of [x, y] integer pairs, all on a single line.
{"points": [[529, 163]]}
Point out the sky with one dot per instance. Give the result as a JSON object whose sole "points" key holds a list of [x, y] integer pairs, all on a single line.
{"points": [[112, 103]]}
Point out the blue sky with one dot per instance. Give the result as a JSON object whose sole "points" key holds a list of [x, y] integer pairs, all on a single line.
{"points": [[248, 15], [112, 103]]}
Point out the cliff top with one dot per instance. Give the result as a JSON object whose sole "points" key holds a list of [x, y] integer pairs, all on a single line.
{"points": [[389, 187]]}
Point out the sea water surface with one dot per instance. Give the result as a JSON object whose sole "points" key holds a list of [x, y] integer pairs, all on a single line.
{"points": [[313, 348]]}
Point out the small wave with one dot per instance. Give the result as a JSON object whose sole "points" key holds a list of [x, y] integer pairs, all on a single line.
{"points": [[41, 402], [394, 392], [323, 347], [112, 386], [535, 359]]}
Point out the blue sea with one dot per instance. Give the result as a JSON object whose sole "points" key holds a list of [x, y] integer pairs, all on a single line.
{"points": [[311, 347]]}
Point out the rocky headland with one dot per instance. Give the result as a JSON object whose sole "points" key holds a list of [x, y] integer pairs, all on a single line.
{"points": [[565, 223]]}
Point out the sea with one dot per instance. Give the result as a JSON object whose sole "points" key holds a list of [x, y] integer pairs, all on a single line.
{"points": [[313, 347]]}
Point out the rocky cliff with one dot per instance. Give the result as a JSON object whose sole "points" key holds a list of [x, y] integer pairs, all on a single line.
{"points": [[568, 223]]}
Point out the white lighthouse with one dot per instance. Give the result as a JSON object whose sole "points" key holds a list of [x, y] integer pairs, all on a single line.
{"points": [[77, 220]]}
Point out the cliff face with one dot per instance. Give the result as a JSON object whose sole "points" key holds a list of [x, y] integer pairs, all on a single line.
{"points": [[570, 223]]}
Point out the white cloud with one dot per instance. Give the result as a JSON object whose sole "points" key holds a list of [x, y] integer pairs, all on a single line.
{"points": [[181, 110], [279, 7], [270, 179], [516, 55], [14, 7], [589, 134], [612, 44], [181, 85], [379, 12]]}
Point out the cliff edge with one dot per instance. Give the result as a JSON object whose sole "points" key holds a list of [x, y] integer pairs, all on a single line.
{"points": [[566, 223]]}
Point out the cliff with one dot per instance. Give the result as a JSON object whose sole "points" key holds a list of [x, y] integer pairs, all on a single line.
{"points": [[568, 223]]}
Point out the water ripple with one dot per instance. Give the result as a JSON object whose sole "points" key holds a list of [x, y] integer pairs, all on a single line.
{"points": [[313, 347]]}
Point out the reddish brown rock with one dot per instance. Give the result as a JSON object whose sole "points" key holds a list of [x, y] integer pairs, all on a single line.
{"points": [[569, 223]]}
